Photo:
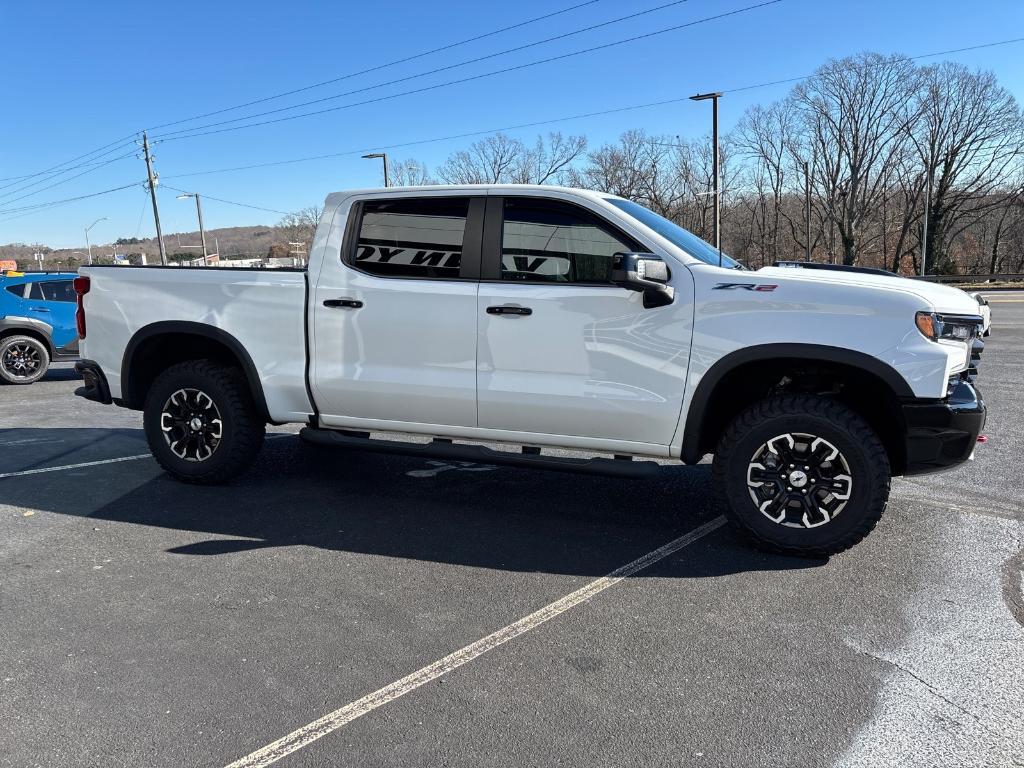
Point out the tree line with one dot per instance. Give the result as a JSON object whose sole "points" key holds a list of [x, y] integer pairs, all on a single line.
{"points": [[885, 149]]}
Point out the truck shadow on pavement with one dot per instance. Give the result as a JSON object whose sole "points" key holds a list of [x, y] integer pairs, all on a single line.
{"points": [[497, 518]]}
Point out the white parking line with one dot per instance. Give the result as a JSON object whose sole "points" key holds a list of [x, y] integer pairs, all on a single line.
{"points": [[73, 466], [307, 734]]}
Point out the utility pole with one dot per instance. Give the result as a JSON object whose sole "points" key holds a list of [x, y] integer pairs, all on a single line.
{"points": [[202, 230], [152, 193], [717, 225], [807, 199]]}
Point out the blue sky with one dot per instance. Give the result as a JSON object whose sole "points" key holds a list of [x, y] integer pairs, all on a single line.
{"points": [[78, 76]]}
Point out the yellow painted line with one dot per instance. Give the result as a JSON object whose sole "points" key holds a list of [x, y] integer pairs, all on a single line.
{"points": [[1006, 301]]}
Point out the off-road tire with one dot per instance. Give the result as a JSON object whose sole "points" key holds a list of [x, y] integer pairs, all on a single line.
{"points": [[40, 351], [813, 415], [242, 431]]}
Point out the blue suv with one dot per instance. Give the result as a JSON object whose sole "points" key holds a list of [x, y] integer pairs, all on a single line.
{"points": [[37, 323]]}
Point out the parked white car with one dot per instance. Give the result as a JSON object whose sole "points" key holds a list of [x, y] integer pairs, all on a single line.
{"points": [[985, 310], [545, 317]]}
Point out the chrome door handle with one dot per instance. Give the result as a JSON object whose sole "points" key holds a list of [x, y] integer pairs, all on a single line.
{"points": [[343, 303], [506, 309]]}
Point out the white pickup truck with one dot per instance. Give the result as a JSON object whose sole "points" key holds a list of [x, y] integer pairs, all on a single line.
{"points": [[544, 317]]}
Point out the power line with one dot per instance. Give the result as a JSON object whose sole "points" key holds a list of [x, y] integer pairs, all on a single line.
{"points": [[436, 86], [533, 124], [437, 70], [52, 203], [40, 206], [436, 139], [911, 58], [379, 67], [120, 142], [231, 202], [58, 183]]}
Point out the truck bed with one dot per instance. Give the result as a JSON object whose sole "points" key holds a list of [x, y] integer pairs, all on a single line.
{"points": [[263, 309]]}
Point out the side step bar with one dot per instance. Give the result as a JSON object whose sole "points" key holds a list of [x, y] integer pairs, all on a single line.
{"points": [[440, 448]]}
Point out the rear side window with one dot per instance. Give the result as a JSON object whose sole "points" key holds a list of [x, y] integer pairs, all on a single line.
{"points": [[59, 290], [53, 290], [17, 290], [412, 237], [554, 242]]}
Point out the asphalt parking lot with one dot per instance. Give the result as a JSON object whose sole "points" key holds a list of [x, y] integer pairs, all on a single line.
{"points": [[148, 623]]}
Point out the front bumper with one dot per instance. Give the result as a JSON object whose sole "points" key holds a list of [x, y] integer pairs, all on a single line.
{"points": [[95, 382], [943, 433]]}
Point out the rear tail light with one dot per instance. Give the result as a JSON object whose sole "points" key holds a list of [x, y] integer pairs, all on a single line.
{"points": [[81, 285]]}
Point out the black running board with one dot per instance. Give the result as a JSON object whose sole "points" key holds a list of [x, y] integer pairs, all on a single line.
{"points": [[440, 448]]}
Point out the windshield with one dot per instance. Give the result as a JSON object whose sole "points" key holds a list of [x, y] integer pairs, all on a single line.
{"points": [[675, 234]]}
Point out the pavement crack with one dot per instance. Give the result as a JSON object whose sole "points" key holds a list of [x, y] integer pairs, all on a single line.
{"points": [[974, 509], [929, 687]]}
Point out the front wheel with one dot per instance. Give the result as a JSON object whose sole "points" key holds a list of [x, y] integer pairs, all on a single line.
{"points": [[801, 475], [201, 423], [23, 359]]}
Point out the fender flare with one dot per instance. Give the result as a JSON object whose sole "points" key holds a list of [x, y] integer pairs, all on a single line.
{"points": [[179, 327], [33, 327], [690, 451]]}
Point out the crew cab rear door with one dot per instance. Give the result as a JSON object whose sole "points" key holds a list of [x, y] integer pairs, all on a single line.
{"points": [[53, 302], [562, 350], [394, 313]]}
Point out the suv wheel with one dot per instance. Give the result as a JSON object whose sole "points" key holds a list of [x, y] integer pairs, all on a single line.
{"points": [[802, 475], [23, 359], [201, 423]]}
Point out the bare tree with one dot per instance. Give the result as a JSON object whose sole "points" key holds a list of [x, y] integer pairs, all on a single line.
{"points": [[408, 173], [969, 140], [488, 161], [501, 159], [766, 137], [857, 114], [547, 161], [300, 226]]}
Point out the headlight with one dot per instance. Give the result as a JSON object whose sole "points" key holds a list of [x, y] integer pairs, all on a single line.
{"points": [[949, 327]]}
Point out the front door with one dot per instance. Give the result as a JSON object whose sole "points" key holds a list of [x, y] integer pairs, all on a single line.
{"points": [[561, 349], [394, 315]]}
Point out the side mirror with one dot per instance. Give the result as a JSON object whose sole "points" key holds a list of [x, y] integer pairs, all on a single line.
{"points": [[644, 272]]}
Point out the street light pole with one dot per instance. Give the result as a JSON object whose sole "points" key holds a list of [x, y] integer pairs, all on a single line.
{"points": [[924, 230], [717, 225], [807, 203], [381, 156], [199, 212], [88, 245]]}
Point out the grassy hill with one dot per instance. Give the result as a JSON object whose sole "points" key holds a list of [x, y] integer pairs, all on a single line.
{"points": [[233, 241]]}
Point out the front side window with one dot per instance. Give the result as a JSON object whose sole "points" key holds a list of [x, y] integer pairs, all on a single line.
{"points": [[57, 290], [554, 242], [412, 237]]}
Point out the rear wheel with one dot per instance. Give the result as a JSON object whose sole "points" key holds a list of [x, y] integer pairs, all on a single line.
{"points": [[802, 475], [23, 359], [201, 423]]}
